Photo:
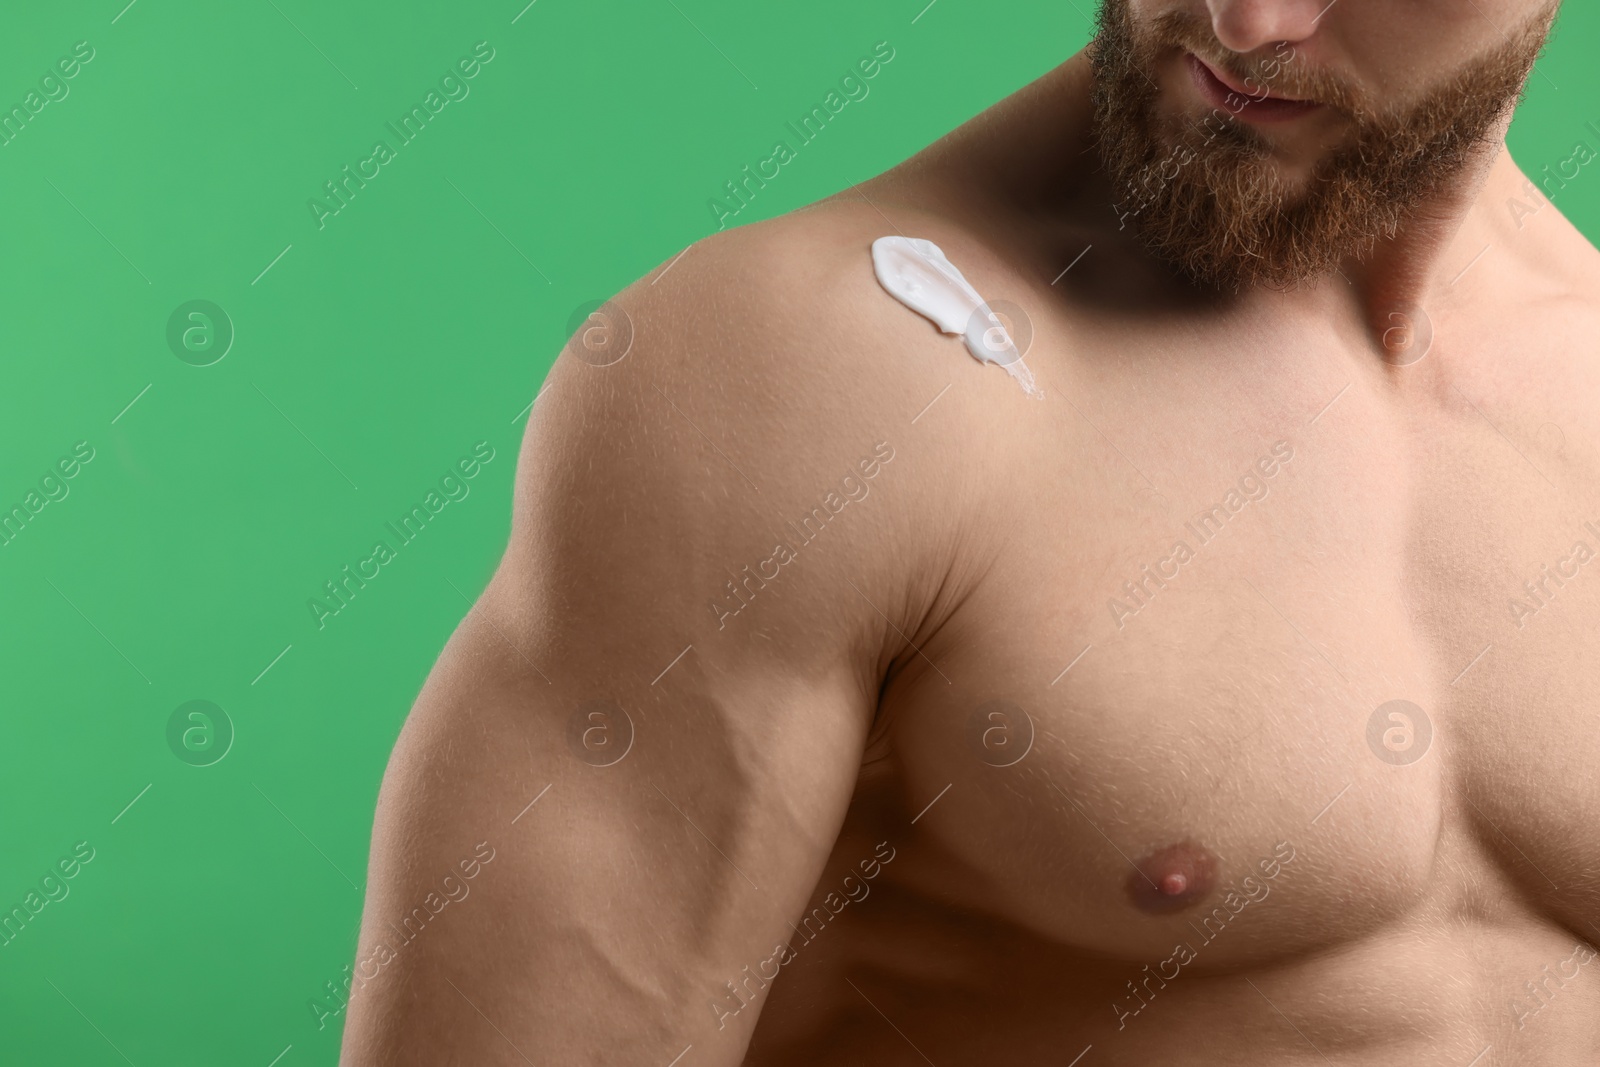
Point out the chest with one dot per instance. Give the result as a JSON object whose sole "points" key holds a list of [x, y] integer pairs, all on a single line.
{"points": [[1341, 649]]}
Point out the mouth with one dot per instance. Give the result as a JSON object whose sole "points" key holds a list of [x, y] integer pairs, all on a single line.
{"points": [[1222, 90]]}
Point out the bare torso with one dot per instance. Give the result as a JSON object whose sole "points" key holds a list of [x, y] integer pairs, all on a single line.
{"points": [[971, 715], [1353, 533]]}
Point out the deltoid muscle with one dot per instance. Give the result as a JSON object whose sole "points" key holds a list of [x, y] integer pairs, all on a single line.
{"points": [[916, 273]]}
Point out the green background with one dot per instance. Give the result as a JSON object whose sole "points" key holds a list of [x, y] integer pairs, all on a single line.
{"points": [[370, 356]]}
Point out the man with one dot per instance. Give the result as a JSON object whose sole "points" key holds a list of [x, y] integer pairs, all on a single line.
{"points": [[838, 701]]}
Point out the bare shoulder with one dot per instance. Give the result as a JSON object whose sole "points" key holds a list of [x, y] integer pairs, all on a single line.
{"points": [[729, 438], [1584, 259], [753, 403], [788, 307], [1534, 228], [1559, 303], [1538, 316], [769, 351]]}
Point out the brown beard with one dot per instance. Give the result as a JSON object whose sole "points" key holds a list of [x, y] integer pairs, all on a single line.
{"points": [[1206, 196]]}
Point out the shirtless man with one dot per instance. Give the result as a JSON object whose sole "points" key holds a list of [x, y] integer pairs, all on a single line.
{"points": [[840, 701]]}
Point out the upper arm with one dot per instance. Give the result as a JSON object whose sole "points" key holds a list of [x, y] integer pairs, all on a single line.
{"points": [[692, 749]]}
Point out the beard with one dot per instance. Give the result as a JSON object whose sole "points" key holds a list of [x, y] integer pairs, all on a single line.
{"points": [[1205, 196]]}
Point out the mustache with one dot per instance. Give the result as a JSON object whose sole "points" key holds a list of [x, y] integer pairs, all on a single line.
{"points": [[1280, 74], [1206, 199]]}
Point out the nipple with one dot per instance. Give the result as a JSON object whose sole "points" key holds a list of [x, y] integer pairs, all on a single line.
{"points": [[1172, 878]]}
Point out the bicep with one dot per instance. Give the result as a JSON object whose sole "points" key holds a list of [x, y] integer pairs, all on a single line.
{"points": [[659, 790]]}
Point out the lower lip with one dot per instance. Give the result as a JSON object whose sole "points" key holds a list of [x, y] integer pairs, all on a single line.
{"points": [[1245, 106]]}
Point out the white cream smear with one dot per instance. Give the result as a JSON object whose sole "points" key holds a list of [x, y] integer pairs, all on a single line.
{"points": [[916, 273]]}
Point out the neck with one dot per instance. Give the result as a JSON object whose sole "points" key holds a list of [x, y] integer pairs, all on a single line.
{"points": [[1399, 283]]}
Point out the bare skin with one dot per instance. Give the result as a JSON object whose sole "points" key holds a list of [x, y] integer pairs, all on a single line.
{"points": [[1410, 899]]}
